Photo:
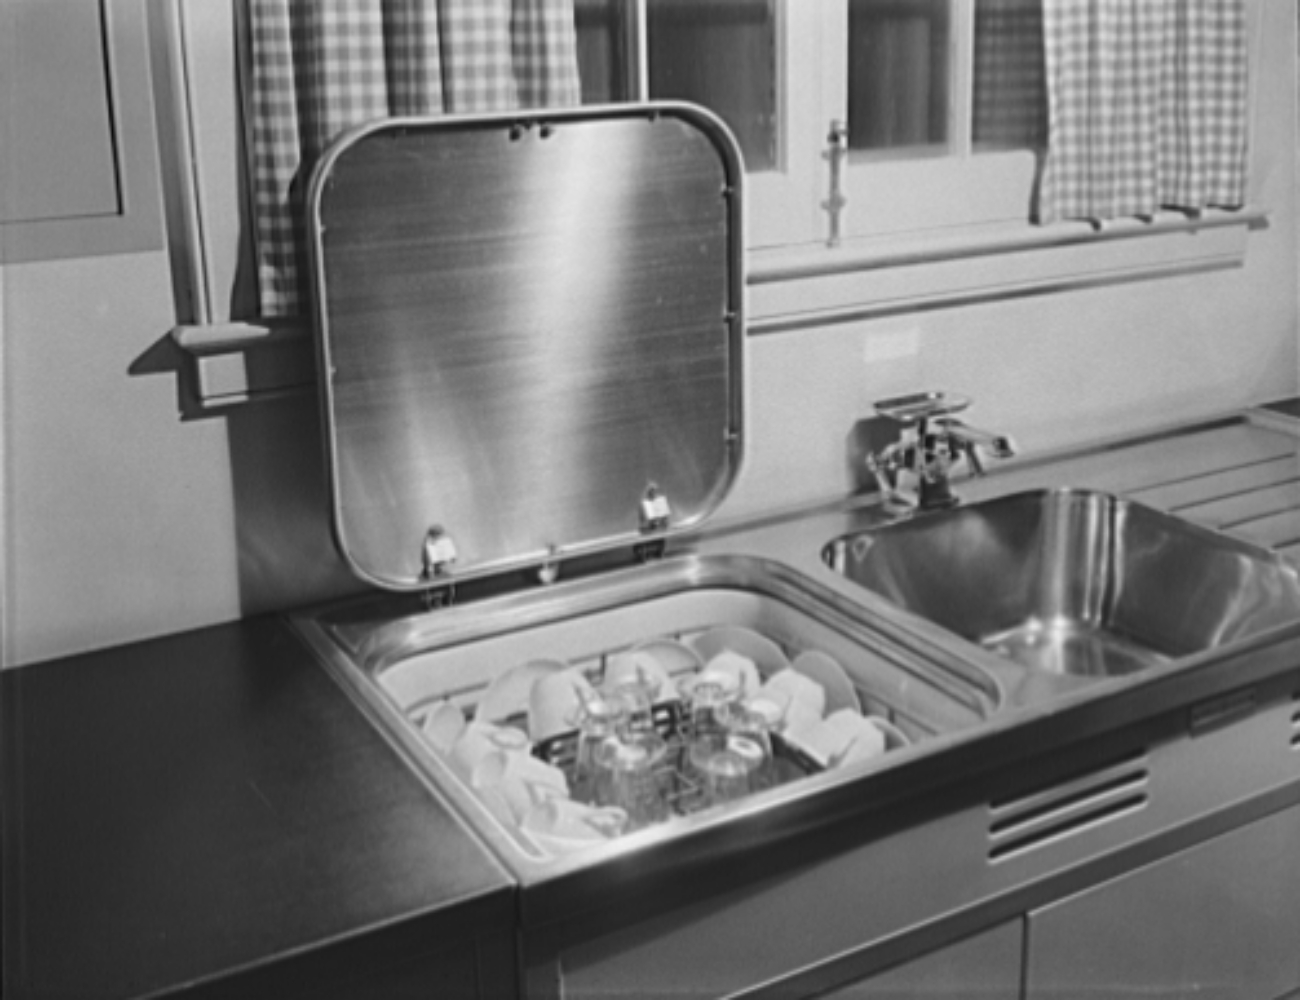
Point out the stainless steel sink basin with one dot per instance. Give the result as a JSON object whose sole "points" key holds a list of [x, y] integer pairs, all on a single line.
{"points": [[1073, 582]]}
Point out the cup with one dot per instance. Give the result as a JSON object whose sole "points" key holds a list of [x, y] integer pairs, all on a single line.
{"points": [[442, 726], [641, 667], [805, 698], [632, 766], [703, 731], [749, 735], [479, 739], [771, 706], [743, 674], [637, 698], [518, 781], [562, 826], [600, 719], [555, 703], [726, 777], [843, 737]]}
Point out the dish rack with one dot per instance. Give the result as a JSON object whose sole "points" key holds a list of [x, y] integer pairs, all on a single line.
{"points": [[679, 787]]}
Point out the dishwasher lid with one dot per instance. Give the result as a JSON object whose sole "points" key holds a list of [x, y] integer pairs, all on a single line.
{"points": [[529, 335]]}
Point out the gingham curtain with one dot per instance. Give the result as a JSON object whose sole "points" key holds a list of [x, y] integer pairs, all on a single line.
{"points": [[320, 66], [1147, 107]]}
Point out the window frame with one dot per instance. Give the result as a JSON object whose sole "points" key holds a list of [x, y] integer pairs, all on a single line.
{"points": [[797, 283], [789, 205]]}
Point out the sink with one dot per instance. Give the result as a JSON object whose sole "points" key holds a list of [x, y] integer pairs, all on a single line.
{"points": [[1072, 581]]}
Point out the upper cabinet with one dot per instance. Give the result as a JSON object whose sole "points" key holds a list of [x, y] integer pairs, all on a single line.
{"points": [[78, 151]]}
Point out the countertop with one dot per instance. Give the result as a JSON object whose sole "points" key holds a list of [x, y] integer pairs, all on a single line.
{"points": [[209, 812], [209, 809]]}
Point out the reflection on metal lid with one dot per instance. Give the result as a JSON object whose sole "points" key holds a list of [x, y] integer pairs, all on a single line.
{"points": [[524, 332]]}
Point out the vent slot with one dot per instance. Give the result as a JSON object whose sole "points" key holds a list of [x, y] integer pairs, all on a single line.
{"points": [[1295, 722], [1078, 803]]}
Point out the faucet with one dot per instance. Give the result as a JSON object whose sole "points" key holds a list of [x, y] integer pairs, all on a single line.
{"points": [[932, 442]]}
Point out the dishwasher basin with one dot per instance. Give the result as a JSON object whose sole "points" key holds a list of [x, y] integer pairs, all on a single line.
{"points": [[1073, 581], [401, 662]]}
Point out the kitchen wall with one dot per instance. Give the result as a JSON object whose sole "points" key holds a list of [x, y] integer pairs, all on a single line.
{"points": [[125, 513]]}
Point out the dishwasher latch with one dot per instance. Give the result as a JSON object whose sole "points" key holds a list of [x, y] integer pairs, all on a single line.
{"points": [[437, 556], [656, 511], [438, 553]]}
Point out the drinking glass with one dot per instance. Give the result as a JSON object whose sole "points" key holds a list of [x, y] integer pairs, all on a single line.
{"points": [[632, 766], [726, 776]]}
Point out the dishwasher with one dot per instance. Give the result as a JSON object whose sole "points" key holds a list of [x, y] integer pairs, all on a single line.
{"points": [[530, 338]]}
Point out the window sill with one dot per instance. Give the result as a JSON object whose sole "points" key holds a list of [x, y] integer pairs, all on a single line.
{"points": [[234, 363], [796, 288], [799, 288]]}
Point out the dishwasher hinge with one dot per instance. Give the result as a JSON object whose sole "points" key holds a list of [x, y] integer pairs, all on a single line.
{"points": [[651, 550], [436, 598]]}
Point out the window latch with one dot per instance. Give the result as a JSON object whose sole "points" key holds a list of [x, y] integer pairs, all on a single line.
{"points": [[837, 149]]}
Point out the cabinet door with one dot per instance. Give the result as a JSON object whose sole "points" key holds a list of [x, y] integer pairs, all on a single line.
{"points": [[984, 967], [78, 155], [1219, 920]]}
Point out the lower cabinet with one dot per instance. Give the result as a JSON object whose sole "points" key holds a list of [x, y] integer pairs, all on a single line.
{"points": [[1218, 920], [984, 967]]}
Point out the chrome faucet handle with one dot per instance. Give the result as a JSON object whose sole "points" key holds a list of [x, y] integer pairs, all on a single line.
{"points": [[937, 455], [933, 441], [885, 466], [970, 441]]}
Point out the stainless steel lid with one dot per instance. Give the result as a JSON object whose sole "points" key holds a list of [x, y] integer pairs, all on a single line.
{"points": [[529, 334]]}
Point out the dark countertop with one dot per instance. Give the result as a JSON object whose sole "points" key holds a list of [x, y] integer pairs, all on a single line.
{"points": [[208, 813], [210, 808]]}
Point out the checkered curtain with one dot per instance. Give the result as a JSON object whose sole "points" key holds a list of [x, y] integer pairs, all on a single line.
{"points": [[321, 66], [1148, 107]]}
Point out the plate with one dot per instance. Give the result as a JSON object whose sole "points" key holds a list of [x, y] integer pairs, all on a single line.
{"points": [[768, 657], [823, 668], [509, 692], [675, 657]]}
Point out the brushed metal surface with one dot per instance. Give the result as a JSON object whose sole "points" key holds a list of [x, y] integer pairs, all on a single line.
{"points": [[1218, 920], [1074, 582], [523, 323], [206, 814], [464, 647]]}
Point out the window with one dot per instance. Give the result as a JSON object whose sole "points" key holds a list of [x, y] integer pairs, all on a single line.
{"points": [[940, 155], [928, 77], [941, 100]]}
